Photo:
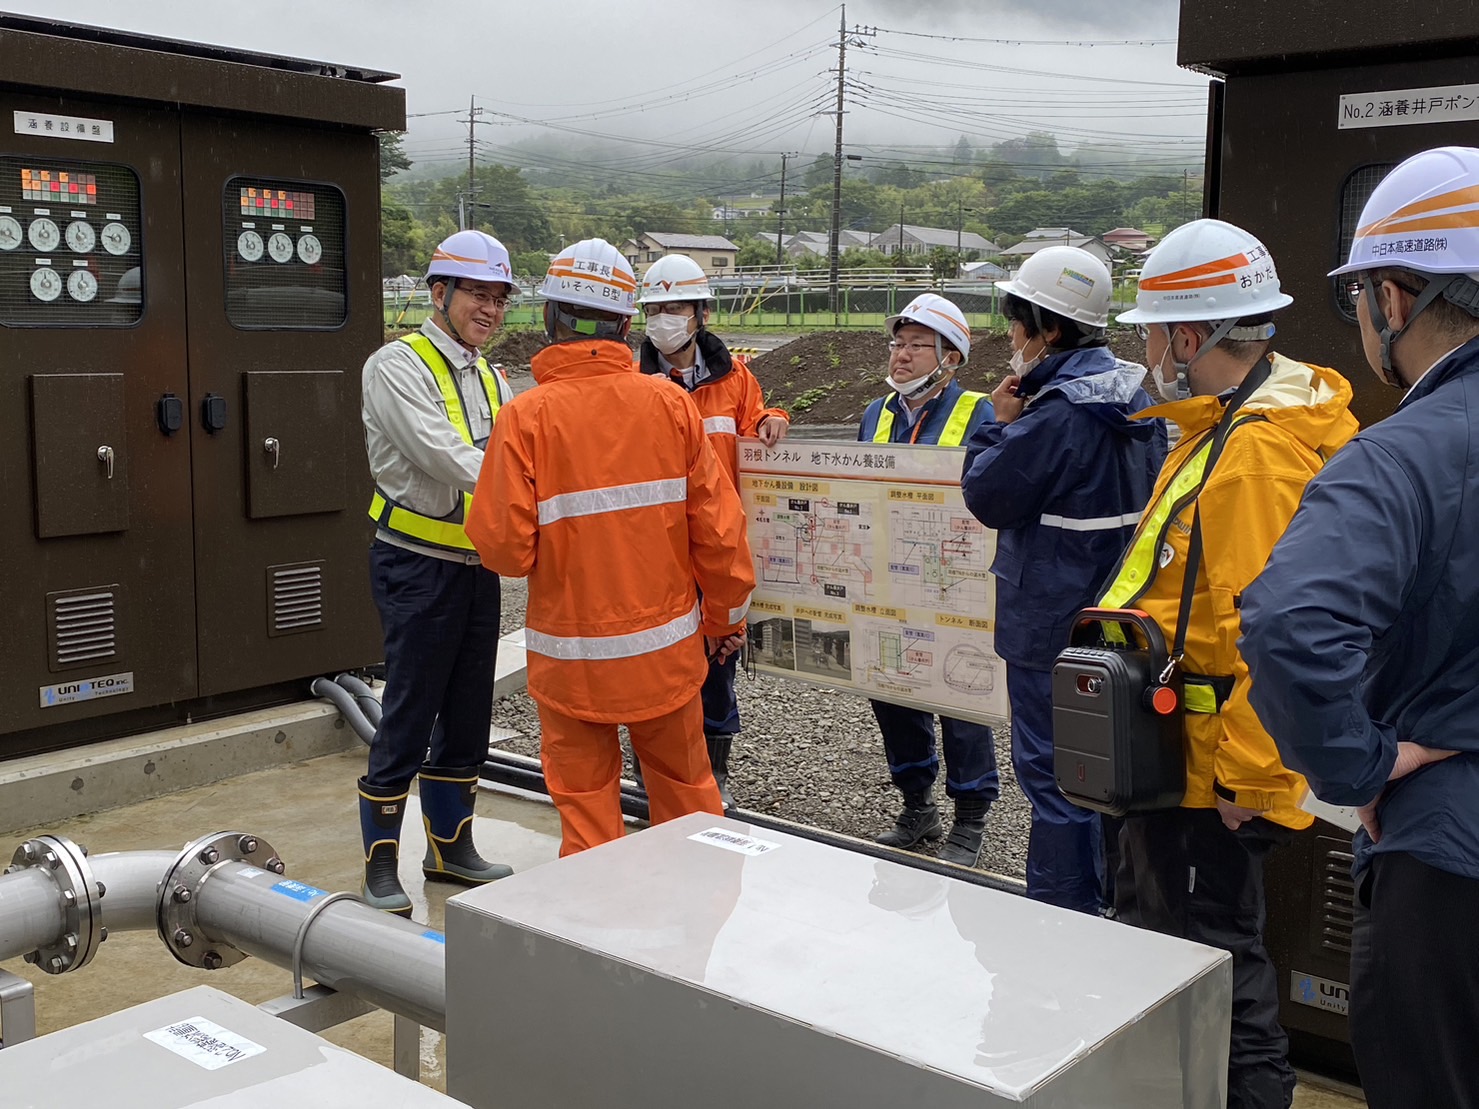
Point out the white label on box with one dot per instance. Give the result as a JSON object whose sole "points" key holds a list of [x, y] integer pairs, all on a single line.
{"points": [[63, 127], [733, 841], [205, 1043], [1404, 107], [87, 689]]}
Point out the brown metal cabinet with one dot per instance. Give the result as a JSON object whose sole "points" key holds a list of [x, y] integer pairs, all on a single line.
{"points": [[189, 285]]}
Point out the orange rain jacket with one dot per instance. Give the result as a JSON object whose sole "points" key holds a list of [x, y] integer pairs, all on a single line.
{"points": [[729, 398], [1245, 506], [600, 486]]}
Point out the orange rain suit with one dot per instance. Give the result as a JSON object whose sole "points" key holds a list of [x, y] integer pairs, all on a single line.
{"points": [[600, 486]]}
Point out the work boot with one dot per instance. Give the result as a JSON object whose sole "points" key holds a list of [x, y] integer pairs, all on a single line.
{"points": [[380, 817], [963, 844], [719, 747], [447, 797], [920, 820]]}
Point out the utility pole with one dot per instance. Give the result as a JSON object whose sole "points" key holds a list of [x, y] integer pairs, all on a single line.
{"points": [[1185, 184], [832, 251], [901, 229], [780, 211], [466, 217]]}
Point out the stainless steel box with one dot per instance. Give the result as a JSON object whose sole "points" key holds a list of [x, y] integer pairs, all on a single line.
{"points": [[704, 962], [194, 1049]]}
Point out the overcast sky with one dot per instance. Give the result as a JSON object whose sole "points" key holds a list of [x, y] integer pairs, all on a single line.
{"points": [[745, 78]]}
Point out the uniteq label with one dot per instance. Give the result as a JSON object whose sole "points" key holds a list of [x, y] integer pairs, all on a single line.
{"points": [[1320, 993], [67, 693]]}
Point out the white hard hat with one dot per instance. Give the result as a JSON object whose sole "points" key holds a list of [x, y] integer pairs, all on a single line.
{"points": [[939, 315], [1424, 216], [593, 274], [675, 277], [1065, 280], [1207, 270], [474, 255]]}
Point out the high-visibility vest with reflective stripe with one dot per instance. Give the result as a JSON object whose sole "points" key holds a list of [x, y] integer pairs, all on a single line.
{"points": [[1141, 561], [443, 532], [953, 434]]}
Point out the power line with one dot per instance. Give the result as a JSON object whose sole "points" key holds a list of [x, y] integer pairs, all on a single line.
{"points": [[1027, 42]]}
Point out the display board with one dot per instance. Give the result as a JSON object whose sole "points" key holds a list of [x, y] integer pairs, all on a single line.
{"points": [[872, 575]]}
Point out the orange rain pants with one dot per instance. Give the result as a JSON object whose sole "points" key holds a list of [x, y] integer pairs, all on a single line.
{"points": [[582, 770]]}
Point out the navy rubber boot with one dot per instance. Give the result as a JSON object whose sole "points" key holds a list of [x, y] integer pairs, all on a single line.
{"points": [[447, 797], [380, 816]]}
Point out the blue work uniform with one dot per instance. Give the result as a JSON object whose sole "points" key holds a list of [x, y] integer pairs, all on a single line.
{"points": [[1063, 485], [946, 420]]}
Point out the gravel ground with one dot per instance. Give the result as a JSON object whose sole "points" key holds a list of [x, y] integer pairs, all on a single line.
{"points": [[810, 755]]}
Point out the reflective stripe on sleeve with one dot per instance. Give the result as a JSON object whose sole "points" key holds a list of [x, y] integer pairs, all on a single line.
{"points": [[1092, 523], [738, 614], [616, 498], [720, 425], [576, 648]]}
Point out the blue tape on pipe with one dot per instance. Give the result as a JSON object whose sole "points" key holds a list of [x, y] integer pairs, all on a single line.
{"points": [[434, 937], [298, 891]]}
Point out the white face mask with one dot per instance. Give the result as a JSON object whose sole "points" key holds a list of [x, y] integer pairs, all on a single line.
{"points": [[1022, 366], [1177, 386], [915, 387], [669, 333]]}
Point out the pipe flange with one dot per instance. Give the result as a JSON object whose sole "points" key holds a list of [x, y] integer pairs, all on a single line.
{"points": [[179, 895], [66, 864]]}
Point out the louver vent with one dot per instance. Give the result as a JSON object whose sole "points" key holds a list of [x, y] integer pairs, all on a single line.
{"points": [[1337, 898], [83, 628], [296, 598]]}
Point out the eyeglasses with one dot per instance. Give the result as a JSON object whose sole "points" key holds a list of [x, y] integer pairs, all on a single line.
{"points": [[1354, 289], [671, 308], [914, 349], [486, 299], [1142, 331]]}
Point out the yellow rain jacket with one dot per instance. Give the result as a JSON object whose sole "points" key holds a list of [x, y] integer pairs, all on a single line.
{"points": [[1300, 417]]}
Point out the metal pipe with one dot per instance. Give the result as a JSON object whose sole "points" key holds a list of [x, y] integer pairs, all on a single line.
{"points": [[395, 963], [344, 701], [364, 696], [525, 773], [31, 912], [130, 881]]}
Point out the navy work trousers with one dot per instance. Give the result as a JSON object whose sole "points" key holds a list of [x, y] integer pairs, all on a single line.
{"points": [[441, 643], [1065, 846], [1184, 873], [721, 708], [909, 744]]}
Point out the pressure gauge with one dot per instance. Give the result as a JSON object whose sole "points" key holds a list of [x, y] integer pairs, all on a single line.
{"points": [[116, 239], [310, 249], [44, 235], [10, 233], [45, 283], [81, 237], [249, 246], [280, 247], [82, 285]]}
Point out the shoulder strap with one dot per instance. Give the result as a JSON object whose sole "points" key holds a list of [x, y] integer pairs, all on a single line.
{"points": [[1256, 377]]}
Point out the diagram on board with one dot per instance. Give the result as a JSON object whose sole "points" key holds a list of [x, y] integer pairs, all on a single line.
{"points": [[897, 658], [814, 547], [939, 558]]}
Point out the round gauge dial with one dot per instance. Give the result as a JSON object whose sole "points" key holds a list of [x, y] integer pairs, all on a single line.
{"points": [[280, 247], [81, 237], [116, 239], [10, 233], [249, 246], [310, 249], [82, 285], [44, 235], [46, 284]]}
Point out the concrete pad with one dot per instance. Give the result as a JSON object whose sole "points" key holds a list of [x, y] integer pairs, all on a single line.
{"points": [[309, 813], [59, 785]]}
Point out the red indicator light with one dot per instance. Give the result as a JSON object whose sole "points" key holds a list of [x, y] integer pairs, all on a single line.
{"points": [[1163, 700]]}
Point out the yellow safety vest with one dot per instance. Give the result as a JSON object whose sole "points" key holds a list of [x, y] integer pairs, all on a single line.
{"points": [[443, 532], [1141, 561], [954, 433]]}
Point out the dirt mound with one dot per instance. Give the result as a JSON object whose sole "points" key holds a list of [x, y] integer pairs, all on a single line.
{"points": [[830, 377], [514, 349]]}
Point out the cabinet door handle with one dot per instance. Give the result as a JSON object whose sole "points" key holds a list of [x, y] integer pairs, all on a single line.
{"points": [[274, 448], [105, 456]]}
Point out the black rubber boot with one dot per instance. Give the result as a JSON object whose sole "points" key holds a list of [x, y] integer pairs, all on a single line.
{"points": [[963, 844], [719, 748], [380, 816], [447, 796], [637, 774], [919, 821]]}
